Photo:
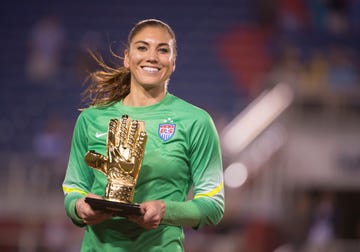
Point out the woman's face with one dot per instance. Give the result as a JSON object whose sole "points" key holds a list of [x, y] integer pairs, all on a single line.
{"points": [[150, 57]]}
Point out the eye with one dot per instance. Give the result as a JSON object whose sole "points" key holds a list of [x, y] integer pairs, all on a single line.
{"points": [[141, 48], [164, 50]]}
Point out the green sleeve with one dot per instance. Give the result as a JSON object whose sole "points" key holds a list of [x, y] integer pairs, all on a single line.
{"points": [[181, 213], [79, 177], [193, 213], [69, 202], [207, 205]]}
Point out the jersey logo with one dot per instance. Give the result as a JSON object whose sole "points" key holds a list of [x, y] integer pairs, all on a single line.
{"points": [[166, 131], [98, 135]]}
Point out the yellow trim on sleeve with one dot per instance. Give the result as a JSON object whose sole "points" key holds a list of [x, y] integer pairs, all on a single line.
{"points": [[211, 193], [71, 190]]}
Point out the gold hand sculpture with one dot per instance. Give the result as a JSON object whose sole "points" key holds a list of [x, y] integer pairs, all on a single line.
{"points": [[125, 148]]}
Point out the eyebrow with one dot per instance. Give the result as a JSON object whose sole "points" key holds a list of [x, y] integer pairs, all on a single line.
{"points": [[144, 42]]}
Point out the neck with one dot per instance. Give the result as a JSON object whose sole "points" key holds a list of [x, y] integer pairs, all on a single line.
{"points": [[138, 98]]}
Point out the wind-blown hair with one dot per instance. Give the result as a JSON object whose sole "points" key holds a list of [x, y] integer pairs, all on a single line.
{"points": [[111, 84]]}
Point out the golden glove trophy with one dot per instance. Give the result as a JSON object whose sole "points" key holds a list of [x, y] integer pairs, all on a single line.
{"points": [[125, 149]]}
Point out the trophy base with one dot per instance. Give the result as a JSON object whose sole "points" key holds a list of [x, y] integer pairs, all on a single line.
{"points": [[116, 208]]}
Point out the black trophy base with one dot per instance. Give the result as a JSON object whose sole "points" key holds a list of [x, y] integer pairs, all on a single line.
{"points": [[116, 208]]}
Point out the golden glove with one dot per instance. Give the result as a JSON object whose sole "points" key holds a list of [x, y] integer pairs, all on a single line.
{"points": [[125, 148]]}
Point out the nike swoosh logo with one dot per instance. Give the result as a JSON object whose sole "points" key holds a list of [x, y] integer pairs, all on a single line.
{"points": [[97, 135]]}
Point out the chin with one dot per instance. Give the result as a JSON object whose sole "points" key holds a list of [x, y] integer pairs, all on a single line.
{"points": [[147, 85], [152, 83]]}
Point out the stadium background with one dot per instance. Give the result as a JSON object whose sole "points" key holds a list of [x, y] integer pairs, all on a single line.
{"points": [[295, 181]]}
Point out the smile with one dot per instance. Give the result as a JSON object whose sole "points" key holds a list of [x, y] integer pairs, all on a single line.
{"points": [[151, 69]]}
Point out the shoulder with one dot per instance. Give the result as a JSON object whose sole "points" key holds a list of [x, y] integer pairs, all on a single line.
{"points": [[92, 114], [92, 111], [195, 120], [188, 109]]}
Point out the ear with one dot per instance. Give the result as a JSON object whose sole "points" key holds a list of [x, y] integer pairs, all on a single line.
{"points": [[126, 59], [174, 65]]}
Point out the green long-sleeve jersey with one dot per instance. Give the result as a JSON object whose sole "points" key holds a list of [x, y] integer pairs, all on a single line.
{"points": [[182, 153]]}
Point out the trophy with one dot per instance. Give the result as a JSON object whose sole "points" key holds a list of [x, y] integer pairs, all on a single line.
{"points": [[125, 148]]}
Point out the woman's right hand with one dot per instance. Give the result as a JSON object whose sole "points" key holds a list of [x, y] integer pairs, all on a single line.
{"points": [[87, 214]]}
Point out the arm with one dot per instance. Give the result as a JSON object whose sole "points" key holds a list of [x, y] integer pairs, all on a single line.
{"points": [[78, 176], [207, 205]]}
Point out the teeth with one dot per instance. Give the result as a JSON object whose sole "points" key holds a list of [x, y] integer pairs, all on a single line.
{"points": [[151, 69]]}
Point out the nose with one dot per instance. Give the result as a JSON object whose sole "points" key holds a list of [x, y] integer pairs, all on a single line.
{"points": [[152, 55]]}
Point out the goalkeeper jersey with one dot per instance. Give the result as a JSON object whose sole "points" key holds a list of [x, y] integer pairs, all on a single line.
{"points": [[182, 154]]}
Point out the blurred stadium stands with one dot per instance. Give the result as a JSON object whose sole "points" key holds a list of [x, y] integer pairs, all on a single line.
{"points": [[300, 175]]}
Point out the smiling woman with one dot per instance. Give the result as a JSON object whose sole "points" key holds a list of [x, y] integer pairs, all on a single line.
{"points": [[182, 152], [151, 60], [151, 41]]}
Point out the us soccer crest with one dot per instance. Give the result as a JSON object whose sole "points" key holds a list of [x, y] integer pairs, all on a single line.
{"points": [[166, 131]]}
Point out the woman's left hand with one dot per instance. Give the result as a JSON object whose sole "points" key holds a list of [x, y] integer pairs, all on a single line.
{"points": [[153, 212]]}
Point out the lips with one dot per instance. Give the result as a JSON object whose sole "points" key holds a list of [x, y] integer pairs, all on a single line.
{"points": [[150, 69]]}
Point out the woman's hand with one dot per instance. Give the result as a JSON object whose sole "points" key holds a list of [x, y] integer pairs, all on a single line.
{"points": [[87, 214], [153, 212]]}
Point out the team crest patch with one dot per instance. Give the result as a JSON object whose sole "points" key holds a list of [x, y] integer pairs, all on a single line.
{"points": [[166, 131]]}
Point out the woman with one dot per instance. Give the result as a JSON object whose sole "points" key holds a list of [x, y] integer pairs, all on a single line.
{"points": [[186, 157]]}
